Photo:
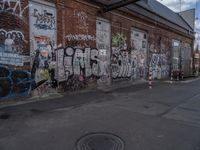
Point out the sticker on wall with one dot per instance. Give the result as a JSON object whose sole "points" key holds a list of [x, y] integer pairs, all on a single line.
{"points": [[11, 47]]}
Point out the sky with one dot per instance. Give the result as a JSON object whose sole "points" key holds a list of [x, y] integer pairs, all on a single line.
{"points": [[185, 5]]}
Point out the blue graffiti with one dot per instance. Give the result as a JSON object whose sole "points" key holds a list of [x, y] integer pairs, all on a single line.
{"points": [[14, 82]]}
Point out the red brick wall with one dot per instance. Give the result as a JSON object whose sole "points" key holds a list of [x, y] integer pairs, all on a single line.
{"points": [[119, 24], [10, 21]]}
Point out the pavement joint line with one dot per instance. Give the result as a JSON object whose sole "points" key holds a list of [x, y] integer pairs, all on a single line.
{"points": [[178, 105], [189, 109]]}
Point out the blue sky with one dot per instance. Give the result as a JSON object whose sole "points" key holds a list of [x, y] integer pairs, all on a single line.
{"points": [[185, 5]]}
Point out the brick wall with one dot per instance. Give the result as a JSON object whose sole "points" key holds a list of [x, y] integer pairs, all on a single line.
{"points": [[119, 23]]}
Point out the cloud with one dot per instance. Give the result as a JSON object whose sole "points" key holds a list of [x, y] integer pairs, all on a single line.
{"points": [[197, 25], [175, 4]]}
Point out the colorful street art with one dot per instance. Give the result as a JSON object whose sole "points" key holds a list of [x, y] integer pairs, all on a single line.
{"points": [[42, 25], [80, 64], [139, 53], [43, 40], [13, 7], [12, 40], [121, 65], [44, 20], [103, 33], [11, 47], [159, 62], [13, 53], [14, 82]]}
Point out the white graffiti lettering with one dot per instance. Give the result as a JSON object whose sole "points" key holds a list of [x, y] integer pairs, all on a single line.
{"points": [[159, 64], [82, 18], [12, 6], [13, 33], [44, 20], [121, 65], [83, 62], [80, 37]]}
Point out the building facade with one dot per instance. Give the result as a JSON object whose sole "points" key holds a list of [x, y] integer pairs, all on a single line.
{"points": [[75, 44]]}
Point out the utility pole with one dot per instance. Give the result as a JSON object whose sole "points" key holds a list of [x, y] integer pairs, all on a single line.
{"points": [[197, 18]]}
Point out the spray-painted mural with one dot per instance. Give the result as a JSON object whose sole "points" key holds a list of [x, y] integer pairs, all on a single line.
{"points": [[11, 47], [13, 7], [43, 40], [159, 61], [13, 50], [12, 39], [103, 32], [77, 65], [186, 59], [14, 82], [181, 58], [139, 53], [121, 66], [44, 20]]}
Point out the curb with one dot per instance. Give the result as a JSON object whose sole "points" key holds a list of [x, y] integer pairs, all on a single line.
{"points": [[33, 99], [45, 97], [125, 85], [183, 81]]}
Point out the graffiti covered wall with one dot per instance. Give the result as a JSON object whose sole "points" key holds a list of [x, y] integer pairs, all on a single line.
{"points": [[43, 39], [186, 59], [121, 66], [15, 79], [78, 67], [14, 82], [79, 31], [159, 61], [13, 42], [103, 31], [11, 47], [139, 47], [129, 63]]}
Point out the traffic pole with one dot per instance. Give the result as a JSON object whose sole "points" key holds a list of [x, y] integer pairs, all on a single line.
{"points": [[150, 79], [182, 75], [171, 78], [177, 76]]}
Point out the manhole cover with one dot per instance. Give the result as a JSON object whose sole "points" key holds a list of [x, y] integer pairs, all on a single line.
{"points": [[4, 115], [100, 141]]}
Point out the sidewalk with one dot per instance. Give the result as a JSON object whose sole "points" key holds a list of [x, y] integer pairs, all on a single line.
{"points": [[56, 96], [185, 80], [77, 95]]}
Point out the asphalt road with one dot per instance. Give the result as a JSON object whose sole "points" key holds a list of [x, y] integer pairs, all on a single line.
{"points": [[164, 118]]}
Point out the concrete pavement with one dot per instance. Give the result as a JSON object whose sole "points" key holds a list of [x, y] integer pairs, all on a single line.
{"points": [[164, 118]]}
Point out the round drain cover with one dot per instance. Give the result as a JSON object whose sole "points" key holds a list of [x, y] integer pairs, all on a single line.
{"points": [[100, 141], [4, 115]]}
